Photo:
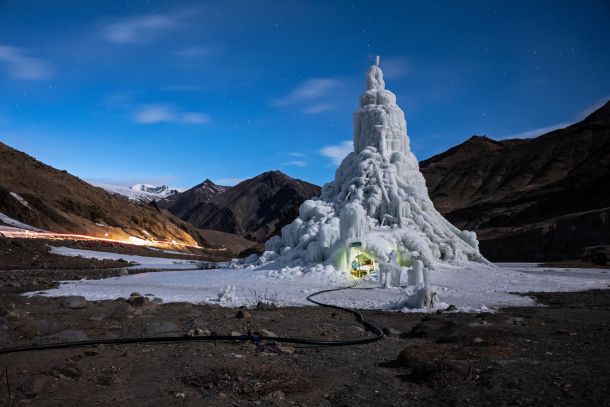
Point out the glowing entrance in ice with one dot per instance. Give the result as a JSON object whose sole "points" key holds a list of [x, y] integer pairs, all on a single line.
{"points": [[359, 262]]}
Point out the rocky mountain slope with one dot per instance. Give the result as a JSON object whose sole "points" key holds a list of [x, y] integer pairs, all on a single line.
{"points": [[183, 203], [539, 199], [255, 209], [44, 197]]}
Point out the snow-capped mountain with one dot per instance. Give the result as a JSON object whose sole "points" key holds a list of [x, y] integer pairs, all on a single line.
{"points": [[143, 193]]}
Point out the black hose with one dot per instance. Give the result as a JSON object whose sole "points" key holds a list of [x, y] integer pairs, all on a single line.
{"points": [[368, 326]]}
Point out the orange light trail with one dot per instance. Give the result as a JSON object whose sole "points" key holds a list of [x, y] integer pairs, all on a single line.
{"points": [[28, 234]]}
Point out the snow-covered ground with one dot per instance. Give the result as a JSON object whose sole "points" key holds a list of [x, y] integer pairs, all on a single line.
{"points": [[471, 287], [144, 262]]}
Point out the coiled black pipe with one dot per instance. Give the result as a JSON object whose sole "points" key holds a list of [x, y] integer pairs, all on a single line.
{"points": [[368, 326]]}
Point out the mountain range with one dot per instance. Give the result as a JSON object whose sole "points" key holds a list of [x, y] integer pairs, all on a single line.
{"points": [[540, 199]]}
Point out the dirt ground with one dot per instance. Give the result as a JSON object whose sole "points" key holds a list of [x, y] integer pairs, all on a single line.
{"points": [[552, 355]]}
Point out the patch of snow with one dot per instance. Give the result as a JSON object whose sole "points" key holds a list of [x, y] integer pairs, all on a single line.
{"points": [[471, 287], [15, 223], [20, 200], [144, 262]]}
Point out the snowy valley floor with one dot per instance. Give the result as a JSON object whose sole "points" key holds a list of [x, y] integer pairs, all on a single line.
{"points": [[555, 354], [470, 287]]}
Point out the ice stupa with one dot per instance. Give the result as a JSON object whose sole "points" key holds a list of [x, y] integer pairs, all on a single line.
{"points": [[377, 210]]}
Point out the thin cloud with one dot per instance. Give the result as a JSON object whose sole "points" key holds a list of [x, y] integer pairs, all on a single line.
{"points": [[295, 163], [395, 67], [337, 152], [152, 114], [145, 28], [20, 65], [194, 118], [323, 107], [308, 92], [543, 130]]}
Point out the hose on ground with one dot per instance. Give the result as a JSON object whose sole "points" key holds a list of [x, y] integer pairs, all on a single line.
{"points": [[368, 326]]}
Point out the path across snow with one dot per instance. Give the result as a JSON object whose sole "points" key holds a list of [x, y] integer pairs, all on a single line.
{"points": [[471, 287]]}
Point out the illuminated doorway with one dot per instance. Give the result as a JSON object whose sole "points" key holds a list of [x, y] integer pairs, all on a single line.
{"points": [[360, 263]]}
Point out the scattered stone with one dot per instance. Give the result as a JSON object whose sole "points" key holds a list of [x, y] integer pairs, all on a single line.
{"points": [[137, 301], [276, 395], [235, 333], [286, 349], [478, 341], [267, 333], [451, 308], [180, 395], [74, 302], [241, 314], [197, 332], [265, 306], [392, 331], [69, 370]]}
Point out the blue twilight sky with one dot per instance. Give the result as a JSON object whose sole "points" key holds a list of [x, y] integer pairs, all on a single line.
{"points": [[176, 92]]}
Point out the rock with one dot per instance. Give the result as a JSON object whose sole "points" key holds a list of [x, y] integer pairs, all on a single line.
{"points": [[241, 314], [276, 395], [105, 380], [451, 308], [267, 333], [156, 328], [198, 332], [135, 294], [74, 302], [137, 301], [157, 300], [265, 306], [235, 333], [478, 341], [123, 273], [32, 387], [45, 327], [392, 331], [286, 349], [69, 370]]}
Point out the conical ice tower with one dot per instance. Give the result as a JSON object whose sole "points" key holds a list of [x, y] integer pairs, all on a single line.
{"points": [[377, 210]]}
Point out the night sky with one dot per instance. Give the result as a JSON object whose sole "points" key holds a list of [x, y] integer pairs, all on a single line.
{"points": [[175, 92]]}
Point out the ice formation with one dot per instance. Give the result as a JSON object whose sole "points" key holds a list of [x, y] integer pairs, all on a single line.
{"points": [[378, 205]]}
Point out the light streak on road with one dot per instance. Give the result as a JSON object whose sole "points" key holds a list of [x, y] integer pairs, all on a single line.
{"points": [[28, 234]]}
